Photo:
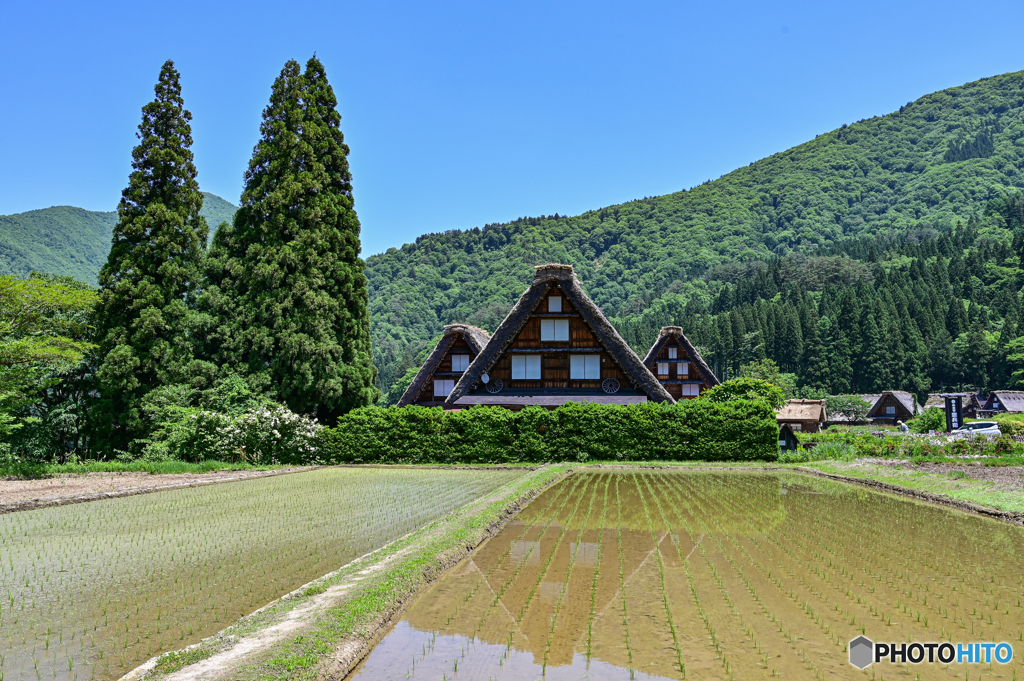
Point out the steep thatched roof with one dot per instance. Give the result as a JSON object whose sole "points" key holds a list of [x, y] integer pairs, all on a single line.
{"points": [[477, 339], [803, 410], [907, 400], [544, 277], [676, 332], [1010, 400]]}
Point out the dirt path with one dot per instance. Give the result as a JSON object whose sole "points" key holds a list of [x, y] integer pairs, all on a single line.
{"points": [[24, 495]]}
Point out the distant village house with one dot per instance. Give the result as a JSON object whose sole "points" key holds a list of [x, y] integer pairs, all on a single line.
{"points": [[678, 366], [806, 416], [453, 354]]}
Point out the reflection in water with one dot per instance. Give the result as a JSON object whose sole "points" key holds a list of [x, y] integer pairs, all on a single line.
{"points": [[683, 574]]}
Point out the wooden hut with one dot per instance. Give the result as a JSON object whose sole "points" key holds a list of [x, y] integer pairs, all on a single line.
{"points": [[556, 346], [787, 439], [1000, 401], [892, 406], [678, 366], [806, 416], [450, 358]]}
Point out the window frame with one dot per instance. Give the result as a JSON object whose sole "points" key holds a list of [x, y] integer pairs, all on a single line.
{"points": [[550, 330], [589, 365], [463, 357], [558, 305]]}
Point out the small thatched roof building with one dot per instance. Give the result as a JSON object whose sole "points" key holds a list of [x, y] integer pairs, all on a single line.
{"points": [[678, 366], [556, 346], [1004, 401], [971, 404], [806, 416], [892, 406], [452, 355]]}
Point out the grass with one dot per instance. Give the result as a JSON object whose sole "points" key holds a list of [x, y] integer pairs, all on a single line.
{"points": [[960, 487], [27, 470]]}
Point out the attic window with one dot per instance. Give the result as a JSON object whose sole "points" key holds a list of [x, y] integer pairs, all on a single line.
{"points": [[672, 353], [683, 368], [443, 388], [525, 367], [691, 390], [460, 362], [663, 368], [890, 411], [554, 303], [554, 329], [585, 367]]}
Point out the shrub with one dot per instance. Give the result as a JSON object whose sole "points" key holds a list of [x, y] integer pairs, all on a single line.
{"points": [[747, 389], [1009, 426], [690, 430], [933, 418]]}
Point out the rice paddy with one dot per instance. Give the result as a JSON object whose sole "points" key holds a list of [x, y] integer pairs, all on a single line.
{"points": [[713, 575], [89, 591]]}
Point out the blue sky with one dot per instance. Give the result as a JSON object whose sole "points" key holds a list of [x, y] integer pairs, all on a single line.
{"points": [[460, 114]]}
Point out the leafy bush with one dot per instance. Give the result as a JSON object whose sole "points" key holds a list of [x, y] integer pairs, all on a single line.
{"points": [[933, 418], [852, 407], [1011, 424], [747, 389], [690, 430]]}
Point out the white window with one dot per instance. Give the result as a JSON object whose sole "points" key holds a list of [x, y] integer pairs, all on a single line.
{"points": [[443, 388], [672, 353], [460, 362], [663, 368], [554, 303], [683, 368], [796, 427], [585, 366], [554, 329], [691, 389], [890, 411], [526, 367]]}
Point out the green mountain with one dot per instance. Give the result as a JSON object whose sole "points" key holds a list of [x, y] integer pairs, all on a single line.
{"points": [[72, 241], [911, 175]]}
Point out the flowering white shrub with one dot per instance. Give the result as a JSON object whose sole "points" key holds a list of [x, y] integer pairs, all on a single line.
{"points": [[262, 435]]}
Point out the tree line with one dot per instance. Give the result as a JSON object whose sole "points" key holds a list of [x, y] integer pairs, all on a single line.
{"points": [[276, 311]]}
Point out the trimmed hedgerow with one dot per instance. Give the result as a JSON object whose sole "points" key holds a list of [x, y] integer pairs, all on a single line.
{"points": [[692, 430]]}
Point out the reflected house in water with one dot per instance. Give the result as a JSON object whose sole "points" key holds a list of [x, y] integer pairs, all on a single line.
{"points": [[555, 346]]}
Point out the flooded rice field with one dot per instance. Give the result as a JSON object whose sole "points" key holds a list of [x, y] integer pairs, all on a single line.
{"points": [[713, 575], [93, 590]]}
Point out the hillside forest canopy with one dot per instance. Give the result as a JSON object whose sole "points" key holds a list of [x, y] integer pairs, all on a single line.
{"points": [[884, 255]]}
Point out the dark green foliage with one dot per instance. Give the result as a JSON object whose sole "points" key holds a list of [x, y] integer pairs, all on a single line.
{"points": [[690, 430], [747, 389], [152, 273], [933, 418], [70, 241], [824, 202], [286, 280]]}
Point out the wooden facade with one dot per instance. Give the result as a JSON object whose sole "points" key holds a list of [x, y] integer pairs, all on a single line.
{"points": [[892, 406], [556, 346], [456, 350], [677, 365]]}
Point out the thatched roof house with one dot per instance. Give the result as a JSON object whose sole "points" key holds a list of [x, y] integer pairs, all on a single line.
{"points": [[892, 406], [1004, 401], [452, 355], [678, 366], [556, 346], [806, 416], [971, 403]]}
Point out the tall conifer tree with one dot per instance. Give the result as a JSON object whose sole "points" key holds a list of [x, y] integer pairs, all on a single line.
{"points": [[289, 278], [152, 273]]}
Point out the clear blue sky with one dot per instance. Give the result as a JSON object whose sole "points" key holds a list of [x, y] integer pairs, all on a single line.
{"points": [[464, 113]]}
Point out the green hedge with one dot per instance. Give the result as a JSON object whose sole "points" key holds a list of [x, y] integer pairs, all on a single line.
{"points": [[692, 430]]}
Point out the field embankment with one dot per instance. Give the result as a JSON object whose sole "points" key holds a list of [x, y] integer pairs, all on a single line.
{"points": [[326, 626]]}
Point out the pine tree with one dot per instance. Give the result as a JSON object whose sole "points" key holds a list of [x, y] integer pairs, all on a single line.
{"points": [[152, 274], [289, 272]]}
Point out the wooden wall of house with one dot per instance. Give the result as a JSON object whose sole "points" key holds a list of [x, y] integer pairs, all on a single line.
{"points": [[444, 371], [890, 401], [676, 389], [555, 354]]}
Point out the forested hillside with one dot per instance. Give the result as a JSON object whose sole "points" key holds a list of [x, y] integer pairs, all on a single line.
{"points": [[72, 241], [864, 217]]}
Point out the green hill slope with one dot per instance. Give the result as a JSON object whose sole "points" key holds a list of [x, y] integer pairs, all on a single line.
{"points": [[926, 167], [72, 241]]}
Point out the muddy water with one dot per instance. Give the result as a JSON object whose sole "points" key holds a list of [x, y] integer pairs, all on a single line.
{"points": [[92, 590], [713, 575]]}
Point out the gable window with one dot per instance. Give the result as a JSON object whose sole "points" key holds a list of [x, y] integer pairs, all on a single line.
{"points": [[554, 329], [691, 389], [554, 303], [663, 368], [443, 388], [585, 366], [460, 362], [672, 353], [890, 411], [525, 367], [683, 368]]}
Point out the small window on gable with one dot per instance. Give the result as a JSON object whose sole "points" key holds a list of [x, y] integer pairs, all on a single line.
{"points": [[672, 353], [554, 329], [585, 367], [663, 368], [683, 368], [554, 303], [526, 367], [691, 390], [460, 362], [890, 411], [443, 388]]}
